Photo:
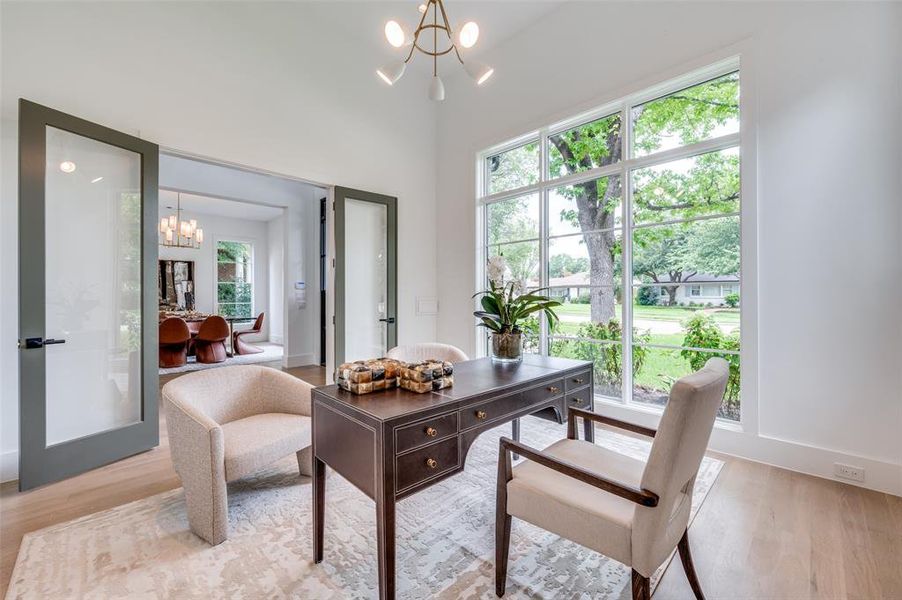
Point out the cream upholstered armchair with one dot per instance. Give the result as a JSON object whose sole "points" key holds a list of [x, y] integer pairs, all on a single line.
{"points": [[632, 511], [421, 352], [227, 423]]}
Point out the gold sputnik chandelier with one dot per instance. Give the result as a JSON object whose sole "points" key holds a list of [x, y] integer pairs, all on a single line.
{"points": [[443, 39]]}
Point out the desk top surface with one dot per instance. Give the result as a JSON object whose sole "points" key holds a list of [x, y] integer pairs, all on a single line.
{"points": [[472, 378]]}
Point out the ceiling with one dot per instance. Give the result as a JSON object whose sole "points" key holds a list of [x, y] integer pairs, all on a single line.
{"points": [[498, 21], [206, 205]]}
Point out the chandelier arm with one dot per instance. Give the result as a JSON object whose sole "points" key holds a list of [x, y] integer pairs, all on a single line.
{"points": [[445, 19], [416, 34], [435, 39]]}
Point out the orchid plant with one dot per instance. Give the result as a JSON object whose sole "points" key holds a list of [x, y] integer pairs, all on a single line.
{"points": [[507, 304]]}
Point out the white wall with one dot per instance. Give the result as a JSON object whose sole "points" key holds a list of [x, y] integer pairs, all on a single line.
{"points": [[822, 84], [278, 86], [275, 234], [218, 228]]}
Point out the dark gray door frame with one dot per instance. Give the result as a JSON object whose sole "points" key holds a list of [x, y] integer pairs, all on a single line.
{"points": [[391, 302], [39, 464]]}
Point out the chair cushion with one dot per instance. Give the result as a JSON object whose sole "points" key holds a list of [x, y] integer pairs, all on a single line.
{"points": [[573, 509], [256, 441]]}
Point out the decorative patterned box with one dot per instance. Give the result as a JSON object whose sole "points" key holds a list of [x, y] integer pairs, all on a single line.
{"points": [[427, 376], [366, 376]]}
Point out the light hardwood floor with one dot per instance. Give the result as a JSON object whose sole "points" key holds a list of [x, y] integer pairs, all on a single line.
{"points": [[763, 532]]}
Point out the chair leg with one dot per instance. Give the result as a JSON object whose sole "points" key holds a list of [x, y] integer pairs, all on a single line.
{"points": [[502, 523], [641, 588], [305, 461], [686, 558]]}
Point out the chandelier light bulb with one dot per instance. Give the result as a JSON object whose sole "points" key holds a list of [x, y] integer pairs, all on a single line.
{"points": [[421, 8], [478, 71], [468, 34], [395, 34], [164, 225], [392, 72], [436, 89], [67, 166]]}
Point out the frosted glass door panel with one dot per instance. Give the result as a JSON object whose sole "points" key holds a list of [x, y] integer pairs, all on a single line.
{"points": [[365, 279], [93, 286]]}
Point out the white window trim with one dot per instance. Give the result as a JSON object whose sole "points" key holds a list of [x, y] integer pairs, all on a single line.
{"points": [[253, 274], [746, 140]]}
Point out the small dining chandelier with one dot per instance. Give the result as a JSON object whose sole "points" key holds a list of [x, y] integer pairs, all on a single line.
{"points": [[176, 233], [465, 37]]}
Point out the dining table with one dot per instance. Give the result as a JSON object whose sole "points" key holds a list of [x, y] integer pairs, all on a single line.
{"points": [[198, 317]]}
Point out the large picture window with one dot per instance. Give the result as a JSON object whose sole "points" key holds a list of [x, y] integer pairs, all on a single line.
{"points": [[235, 278], [630, 215]]}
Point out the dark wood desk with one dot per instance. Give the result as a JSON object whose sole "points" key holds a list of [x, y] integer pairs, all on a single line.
{"points": [[393, 444]]}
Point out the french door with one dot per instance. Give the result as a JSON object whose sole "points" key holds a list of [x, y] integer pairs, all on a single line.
{"points": [[87, 295], [366, 248]]}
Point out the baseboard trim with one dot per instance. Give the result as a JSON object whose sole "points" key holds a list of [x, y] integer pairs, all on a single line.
{"points": [[300, 360], [9, 466], [881, 475]]}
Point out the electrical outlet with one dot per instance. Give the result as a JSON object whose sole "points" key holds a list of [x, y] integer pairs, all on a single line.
{"points": [[848, 472]]}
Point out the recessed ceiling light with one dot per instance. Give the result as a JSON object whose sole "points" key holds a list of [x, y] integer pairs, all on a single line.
{"points": [[67, 166], [96, 179]]}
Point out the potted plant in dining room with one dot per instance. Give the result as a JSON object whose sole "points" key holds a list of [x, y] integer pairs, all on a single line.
{"points": [[506, 307]]}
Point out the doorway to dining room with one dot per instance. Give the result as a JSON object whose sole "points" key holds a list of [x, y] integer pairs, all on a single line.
{"points": [[237, 249]]}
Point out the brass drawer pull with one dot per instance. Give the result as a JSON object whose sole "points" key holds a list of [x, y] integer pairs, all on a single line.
{"points": [[578, 380], [431, 431], [480, 414], [431, 463], [553, 389]]}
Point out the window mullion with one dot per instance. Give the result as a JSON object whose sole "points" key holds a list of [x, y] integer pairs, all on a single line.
{"points": [[543, 238], [626, 293]]}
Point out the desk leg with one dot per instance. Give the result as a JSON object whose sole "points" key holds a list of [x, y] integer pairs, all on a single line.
{"points": [[319, 507], [515, 434], [385, 541]]}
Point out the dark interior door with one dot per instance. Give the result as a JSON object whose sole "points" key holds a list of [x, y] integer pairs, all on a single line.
{"points": [[87, 295], [366, 277]]}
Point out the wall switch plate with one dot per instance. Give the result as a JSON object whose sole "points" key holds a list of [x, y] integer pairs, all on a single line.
{"points": [[427, 306], [848, 472]]}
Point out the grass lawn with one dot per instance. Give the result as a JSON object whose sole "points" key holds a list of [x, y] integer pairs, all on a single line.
{"points": [[722, 315]]}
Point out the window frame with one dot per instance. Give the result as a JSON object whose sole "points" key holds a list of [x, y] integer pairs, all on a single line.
{"points": [[251, 279], [624, 168]]}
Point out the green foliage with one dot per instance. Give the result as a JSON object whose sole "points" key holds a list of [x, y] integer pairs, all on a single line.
{"points": [[607, 358], [732, 300], [702, 332], [506, 310], [647, 296], [585, 147], [582, 299], [561, 265], [513, 168]]}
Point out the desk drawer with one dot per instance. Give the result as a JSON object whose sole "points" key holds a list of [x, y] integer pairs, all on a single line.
{"points": [[431, 460], [571, 382], [580, 398], [425, 432], [543, 392]]}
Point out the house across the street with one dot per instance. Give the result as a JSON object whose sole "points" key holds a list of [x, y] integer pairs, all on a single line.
{"points": [[701, 288]]}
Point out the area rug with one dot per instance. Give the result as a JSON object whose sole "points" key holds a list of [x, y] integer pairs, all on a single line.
{"points": [[445, 545], [270, 353]]}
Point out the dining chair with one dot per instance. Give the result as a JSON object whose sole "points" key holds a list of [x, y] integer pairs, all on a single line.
{"points": [[420, 352], [174, 338], [209, 343], [634, 511], [242, 347]]}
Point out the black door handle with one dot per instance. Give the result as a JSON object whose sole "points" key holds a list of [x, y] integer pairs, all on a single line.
{"points": [[31, 343], [388, 320]]}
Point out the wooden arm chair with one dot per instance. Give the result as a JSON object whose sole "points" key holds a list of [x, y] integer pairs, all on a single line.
{"points": [[632, 511]]}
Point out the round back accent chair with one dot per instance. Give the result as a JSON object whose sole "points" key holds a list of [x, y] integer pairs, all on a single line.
{"points": [[174, 337], [634, 511], [228, 423], [242, 347], [209, 344], [420, 352]]}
